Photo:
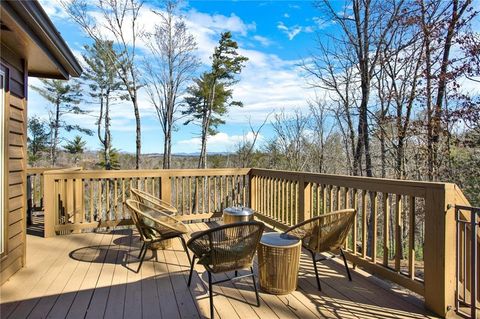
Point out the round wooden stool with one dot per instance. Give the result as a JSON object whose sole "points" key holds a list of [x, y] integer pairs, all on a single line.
{"points": [[278, 263]]}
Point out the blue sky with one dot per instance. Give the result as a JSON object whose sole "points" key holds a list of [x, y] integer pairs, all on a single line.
{"points": [[274, 35]]}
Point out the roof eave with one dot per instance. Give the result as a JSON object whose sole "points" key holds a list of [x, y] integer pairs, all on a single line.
{"points": [[35, 18]]}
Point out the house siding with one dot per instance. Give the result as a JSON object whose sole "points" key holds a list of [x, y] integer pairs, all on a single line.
{"points": [[16, 131]]}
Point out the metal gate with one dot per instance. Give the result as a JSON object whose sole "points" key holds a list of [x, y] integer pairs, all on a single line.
{"points": [[467, 266]]}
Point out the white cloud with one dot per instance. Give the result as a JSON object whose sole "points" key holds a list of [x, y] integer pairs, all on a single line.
{"points": [[262, 40], [218, 22], [53, 8], [220, 142], [293, 31], [286, 15]]}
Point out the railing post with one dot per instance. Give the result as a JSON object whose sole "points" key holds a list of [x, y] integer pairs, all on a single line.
{"points": [[304, 200], [166, 190], [439, 250], [252, 191], [29, 200], [49, 205]]}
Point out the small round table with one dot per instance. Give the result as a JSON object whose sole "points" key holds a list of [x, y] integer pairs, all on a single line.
{"points": [[278, 263], [237, 214]]}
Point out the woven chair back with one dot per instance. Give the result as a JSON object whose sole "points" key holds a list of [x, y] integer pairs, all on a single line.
{"points": [[153, 222], [133, 207], [153, 201], [228, 247], [325, 232]]}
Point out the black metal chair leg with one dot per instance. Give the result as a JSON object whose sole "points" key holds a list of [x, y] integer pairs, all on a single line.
{"points": [[210, 290], [236, 273], [255, 287], [184, 244], [192, 264], [142, 258], [346, 266], [316, 270], [141, 250]]}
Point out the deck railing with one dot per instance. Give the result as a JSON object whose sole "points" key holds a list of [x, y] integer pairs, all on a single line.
{"points": [[404, 231], [79, 200]]}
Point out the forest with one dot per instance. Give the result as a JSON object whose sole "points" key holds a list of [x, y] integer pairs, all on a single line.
{"points": [[396, 94]]}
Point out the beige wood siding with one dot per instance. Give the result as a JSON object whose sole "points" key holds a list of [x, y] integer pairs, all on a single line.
{"points": [[16, 116]]}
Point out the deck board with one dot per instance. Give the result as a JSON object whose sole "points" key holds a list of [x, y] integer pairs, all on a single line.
{"points": [[90, 276]]}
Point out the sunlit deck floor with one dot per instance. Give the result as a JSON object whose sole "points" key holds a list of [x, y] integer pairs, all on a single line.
{"points": [[88, 276]]}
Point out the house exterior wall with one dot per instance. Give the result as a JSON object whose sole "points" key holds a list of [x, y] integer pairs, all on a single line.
{"points": [[15, 132]]}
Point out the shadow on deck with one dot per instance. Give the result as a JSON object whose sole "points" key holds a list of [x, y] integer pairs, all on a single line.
{"points": [[87, 275]]}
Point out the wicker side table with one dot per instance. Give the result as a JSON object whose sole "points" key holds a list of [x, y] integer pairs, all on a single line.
{"points": [[278, 263]]}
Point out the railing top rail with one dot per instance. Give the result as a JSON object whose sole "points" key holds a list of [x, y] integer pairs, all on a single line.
{"points": [[92, 174], [414, 188], [42, 170]]}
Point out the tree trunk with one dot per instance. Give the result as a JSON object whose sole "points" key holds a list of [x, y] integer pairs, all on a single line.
{"points": [[56, 126], [107, 139], [138, 139]]}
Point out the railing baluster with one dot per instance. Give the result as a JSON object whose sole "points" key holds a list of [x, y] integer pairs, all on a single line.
{"points": [[324, 202], [411, 238], [347, 205], [115, 199], [123, 199], [355, 224], [90, 186], [197, 194], [398, 231], [473, 264], [337, 196], [107, 198], [330, 199], [222, 199], [374, 211], [364, 223], [386, 228]]}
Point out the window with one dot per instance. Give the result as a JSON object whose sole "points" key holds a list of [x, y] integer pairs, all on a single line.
{"points": [[2, 162]]}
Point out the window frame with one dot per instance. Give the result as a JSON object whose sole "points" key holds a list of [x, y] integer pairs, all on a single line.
{"points": [[3, 162]]}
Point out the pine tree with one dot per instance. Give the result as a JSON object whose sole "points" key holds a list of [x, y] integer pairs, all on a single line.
{"points": [[76, 147], [65, 96], [104, 84], [37, 139], [210, 93]]}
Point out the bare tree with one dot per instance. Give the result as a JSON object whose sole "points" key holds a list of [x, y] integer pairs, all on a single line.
{"points": [[246, 147], [321, 132], [365, 31], [288, 148], [333, 71], [118, 21], [440, 21], [169, 67]]}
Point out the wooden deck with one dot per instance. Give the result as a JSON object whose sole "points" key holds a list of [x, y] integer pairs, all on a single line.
{"points": [[88, 276]]}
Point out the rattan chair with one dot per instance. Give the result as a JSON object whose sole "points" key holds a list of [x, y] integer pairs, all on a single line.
{"points": [[151, 200], [325, 233], [155, 226], [226, 248]]}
